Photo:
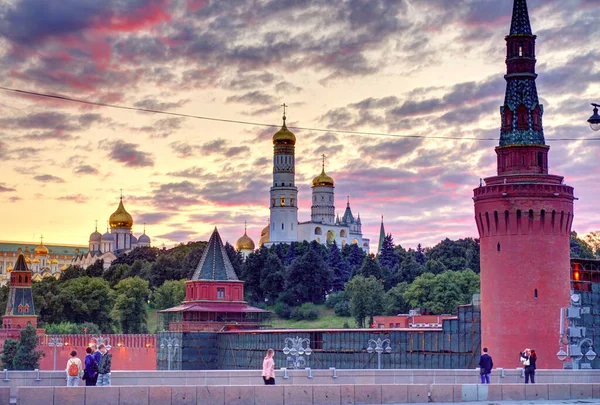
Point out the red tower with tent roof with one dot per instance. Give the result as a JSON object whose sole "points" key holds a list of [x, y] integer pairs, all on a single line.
{"points": [[20, 310], [524, 216]]}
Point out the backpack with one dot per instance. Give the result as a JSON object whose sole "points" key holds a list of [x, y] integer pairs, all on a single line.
{"points": [[73, 369]]}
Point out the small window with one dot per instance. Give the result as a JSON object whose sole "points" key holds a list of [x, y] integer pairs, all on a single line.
{"points": [[291, 201], [282, 201], [535, 294], [498, 246], [273, 201], [220, 293], [282, 226], [540, 157]]}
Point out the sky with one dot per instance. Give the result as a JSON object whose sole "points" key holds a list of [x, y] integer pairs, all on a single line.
{"points": [[430, 68]]}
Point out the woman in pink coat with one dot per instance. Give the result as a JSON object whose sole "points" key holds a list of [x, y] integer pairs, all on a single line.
{"points": [[268, 372]]}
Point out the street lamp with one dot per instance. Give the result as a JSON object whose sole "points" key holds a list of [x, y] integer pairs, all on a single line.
{"points": [[102, 341], [172, 345], [295, 348], [595, 118], [55, 342], [377, 346]]}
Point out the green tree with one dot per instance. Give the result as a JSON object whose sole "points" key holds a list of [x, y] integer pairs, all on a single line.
{"points": [[410, 268], [146, 253], [131, 307], [339, 268], [354, 256], [235, 257], [394, 302], [44, 299], [308, 278], [371, 267], [8, 353], [170, 294], [442, 293], [72, 272], [116, 273], [84, 299], [366, 299], [388, 257], [434, 266], [26, 355], [272, 278], [251, 275], [456, 255], [95, 269], [580, 248], [419, 292]]}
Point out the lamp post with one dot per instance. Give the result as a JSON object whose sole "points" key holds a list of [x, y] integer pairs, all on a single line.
{"points": [[574, 336], [297, 348], [594, 120], [55, 342], [377, 346], [102, 340], [172, 344]]}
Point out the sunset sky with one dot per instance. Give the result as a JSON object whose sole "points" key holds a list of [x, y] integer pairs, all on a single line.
{"points": [[432, 68]]}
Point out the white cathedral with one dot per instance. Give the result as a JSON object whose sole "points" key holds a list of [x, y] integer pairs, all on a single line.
{"points": [[324, 226], [120, 239]]}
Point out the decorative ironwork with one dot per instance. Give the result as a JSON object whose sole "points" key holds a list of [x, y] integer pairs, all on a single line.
{"points": [[377, 346], [296, 348], [55, 342], [171, 344]]}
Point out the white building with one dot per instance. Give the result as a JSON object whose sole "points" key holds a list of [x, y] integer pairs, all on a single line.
{"points": [[324, 226], [119, 240]]}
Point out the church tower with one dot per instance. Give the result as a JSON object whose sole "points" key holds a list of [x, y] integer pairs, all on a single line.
{"points": [[524, 218], [121, 223], [284, 193], [323, 199], [20, 310]]}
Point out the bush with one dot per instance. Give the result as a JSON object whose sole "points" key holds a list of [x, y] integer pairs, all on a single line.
{"points": [[334, 298], [342, 308], [346, 325], [71, 328], [283, 310], [309, 311]]}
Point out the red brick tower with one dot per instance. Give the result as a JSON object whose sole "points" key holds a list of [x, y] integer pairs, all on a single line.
{"points": [[20, 311], [524, 218]]}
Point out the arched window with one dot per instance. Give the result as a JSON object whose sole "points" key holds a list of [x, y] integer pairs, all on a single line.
{"points": [[536, 118], [507, 120], [282, 201], [291, 201], [535, 294], [318, 230], [343, 233], [498, 246]]}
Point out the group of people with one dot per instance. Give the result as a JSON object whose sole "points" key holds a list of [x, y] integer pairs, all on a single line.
{"points": [[94, 371], [528, 358]]}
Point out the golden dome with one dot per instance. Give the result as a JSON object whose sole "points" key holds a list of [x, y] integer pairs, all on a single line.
{"points": [[27, 260], [284, 136], [35, 261], [54, 261], [264, 236], [245, 243], [9, 269], [41, 250], [121, 218], [322, 180]]}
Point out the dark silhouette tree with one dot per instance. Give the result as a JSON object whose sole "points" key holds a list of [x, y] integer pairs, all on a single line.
{"points": [[272, 278], [339, 268], [26, 355], [308, 278]]}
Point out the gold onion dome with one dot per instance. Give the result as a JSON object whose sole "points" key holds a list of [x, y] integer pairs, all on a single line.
{"points": [[322, 180], [27, 260], [284, 136], [264, 235], [54, 261], [41, 250], [121, 218], [245, 243], [36, 261], [9, 269]]}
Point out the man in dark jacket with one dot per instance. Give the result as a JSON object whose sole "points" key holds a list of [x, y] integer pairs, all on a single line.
{"points": [[104, 367], [97, 356], [485, 366]]}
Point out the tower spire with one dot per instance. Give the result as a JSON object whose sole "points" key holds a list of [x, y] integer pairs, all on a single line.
{"points": [[520, 19], [284, 105], [381, 236]]}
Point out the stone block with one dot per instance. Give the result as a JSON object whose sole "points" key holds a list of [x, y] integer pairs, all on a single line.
{"points": [[133, 395], [558, 392], [465, 393], [298, 394], [326, 395], [489, 392], [581, 391], [210, 395], [513, 392], [4, 395], [35, 395], [535, 392], [159, 395], [394, 394], [595, 391], [183, 395], [347, 394], [69, 395], [239, 395], [101, 395], [442, 392], [418, 393], [268, 395], [367, 394]]}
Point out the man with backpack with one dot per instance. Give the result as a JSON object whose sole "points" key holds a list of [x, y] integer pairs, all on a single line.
{"points": [[74, 369], [90, 373]]}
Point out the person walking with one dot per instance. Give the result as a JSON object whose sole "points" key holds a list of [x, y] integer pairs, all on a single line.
{"points": [[485, 366], [90, 371], [268, 372], [104, 367], [74, 369], [97, 356]]}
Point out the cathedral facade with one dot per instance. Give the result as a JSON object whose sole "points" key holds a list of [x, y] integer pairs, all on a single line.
{"points": [[324, 225], [119, 240]]}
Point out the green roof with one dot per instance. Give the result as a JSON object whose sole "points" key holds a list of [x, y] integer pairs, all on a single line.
{"points": [[54, 249], [215, 264]]}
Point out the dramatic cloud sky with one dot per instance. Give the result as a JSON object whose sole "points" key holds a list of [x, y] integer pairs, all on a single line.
{"points": [[409, 67]]}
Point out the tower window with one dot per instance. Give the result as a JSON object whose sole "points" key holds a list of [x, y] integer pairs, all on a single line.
{"points": [[291, 201], [498, 246], [282, 226], [540, 157], [522, 118], [520, 48], [282, 201], [535, 294], [220, 293]]}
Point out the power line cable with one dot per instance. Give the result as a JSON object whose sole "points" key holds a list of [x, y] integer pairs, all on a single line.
{"points": [[261, 124]]}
